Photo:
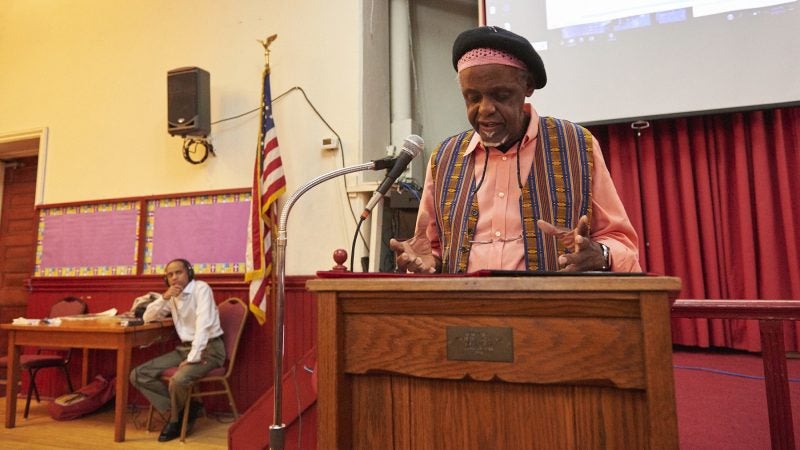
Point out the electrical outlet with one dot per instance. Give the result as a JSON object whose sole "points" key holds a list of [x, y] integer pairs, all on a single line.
{"points": [[330, 143]]}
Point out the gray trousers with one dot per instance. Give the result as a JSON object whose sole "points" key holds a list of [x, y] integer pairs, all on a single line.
{"points": [[147, 377]]}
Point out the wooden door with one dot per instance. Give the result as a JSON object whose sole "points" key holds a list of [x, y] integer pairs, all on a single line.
{"points": [[17, 238]]}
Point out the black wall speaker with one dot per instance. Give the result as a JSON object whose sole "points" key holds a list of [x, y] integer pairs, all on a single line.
{"points": [[188, 102]]}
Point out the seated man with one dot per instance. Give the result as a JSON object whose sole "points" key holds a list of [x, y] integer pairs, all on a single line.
{"points": [[196, 319]]}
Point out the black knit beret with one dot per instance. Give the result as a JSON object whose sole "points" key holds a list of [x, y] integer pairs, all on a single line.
{"points": [[501, 39]]}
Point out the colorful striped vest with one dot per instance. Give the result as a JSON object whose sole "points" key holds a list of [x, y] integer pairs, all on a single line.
{"points": [[557, 190]]}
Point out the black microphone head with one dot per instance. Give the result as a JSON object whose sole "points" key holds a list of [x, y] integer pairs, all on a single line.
{"points": [[413, 145], [411, 148]]}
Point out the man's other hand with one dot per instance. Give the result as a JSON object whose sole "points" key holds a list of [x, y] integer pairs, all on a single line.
{"points": [[415, 255], [586, 255]]}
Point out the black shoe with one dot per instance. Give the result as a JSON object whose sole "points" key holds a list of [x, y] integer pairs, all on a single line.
{"points": [[170, 431]]}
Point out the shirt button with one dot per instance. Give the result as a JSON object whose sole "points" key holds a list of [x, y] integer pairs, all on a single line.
{"points": [[501, 194], [505, 158], [497, 233]]}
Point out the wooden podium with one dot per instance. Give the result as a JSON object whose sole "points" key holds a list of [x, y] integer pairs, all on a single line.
{"points": [[550, 362]]}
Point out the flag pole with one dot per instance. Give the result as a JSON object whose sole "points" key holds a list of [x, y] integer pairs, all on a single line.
{"points": [[277, 430]]}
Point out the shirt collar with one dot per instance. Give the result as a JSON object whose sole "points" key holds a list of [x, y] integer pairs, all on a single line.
{"points": [[189, 288], [530, 134]]}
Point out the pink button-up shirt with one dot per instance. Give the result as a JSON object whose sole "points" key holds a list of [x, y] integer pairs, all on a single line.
{"points": [[498, 241]]}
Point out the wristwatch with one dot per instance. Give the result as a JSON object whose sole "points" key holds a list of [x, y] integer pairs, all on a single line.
{"points": [[606, 257]]}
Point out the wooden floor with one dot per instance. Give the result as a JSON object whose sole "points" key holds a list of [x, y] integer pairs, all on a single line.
{"points": [[96, 431]]}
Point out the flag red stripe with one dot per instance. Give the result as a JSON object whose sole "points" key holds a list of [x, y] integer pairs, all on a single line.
{"points": [[274, 187], [268, 184], [270, 145]]}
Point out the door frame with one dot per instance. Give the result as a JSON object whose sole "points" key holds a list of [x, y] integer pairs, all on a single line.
{"points": [[8, 151]]}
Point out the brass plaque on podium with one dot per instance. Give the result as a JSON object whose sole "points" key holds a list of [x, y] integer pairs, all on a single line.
{"points": [[480, 344]]}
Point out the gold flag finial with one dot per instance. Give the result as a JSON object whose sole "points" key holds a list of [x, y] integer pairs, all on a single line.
{"points": [[265, 43]]}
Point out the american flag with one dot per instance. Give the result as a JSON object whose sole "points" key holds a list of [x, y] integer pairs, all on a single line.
{"points": [[268, 184]]}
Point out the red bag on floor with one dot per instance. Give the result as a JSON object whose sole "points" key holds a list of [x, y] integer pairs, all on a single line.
{"points": [[83, 401]]}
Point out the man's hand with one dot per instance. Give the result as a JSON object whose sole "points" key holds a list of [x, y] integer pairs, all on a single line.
{"points": [[415, 254], [173, 291], [586, 254]]}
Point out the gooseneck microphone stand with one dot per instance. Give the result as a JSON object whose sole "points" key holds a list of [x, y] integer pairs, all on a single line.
{"points": [[277, 429]]}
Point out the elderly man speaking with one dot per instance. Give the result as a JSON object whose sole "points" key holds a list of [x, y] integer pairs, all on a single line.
{"points": [[517, 191]]}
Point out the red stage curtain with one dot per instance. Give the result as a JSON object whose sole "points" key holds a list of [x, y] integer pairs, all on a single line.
{"points": [[716, 201]]}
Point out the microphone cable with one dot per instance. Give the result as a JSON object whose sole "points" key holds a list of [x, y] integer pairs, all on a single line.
{"points": [[355, 238]]}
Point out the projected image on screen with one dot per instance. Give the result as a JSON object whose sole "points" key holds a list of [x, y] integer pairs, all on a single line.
{"points": [[610, 60]]}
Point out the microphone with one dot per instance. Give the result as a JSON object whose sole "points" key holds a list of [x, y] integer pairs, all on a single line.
{"points": [[412, 147]]}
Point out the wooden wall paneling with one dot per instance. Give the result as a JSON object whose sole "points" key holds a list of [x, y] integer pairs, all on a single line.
{"points": [[103, 289]]}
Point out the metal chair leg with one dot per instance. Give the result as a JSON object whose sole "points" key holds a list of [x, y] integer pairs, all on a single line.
{"points": [[185, 420], [149, 419], [231, 401], [69, 381], [186, 408], [31, 390], [32, 378]]}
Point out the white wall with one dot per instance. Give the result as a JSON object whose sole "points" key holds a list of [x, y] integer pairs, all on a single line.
{"points": [[93, 72]]}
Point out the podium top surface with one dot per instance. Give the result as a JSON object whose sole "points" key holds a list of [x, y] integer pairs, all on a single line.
{"points": [[594, 282]]}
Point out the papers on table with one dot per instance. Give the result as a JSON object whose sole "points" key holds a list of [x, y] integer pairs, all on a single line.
{"points": [[24, 321], [56, 321]]}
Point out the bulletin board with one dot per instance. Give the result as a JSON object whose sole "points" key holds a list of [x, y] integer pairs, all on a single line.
{"points": [[210, 231], [88, 240], [142, 236]]}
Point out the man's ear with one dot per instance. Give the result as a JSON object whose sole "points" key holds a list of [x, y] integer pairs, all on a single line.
{"points": [[529, 85]]}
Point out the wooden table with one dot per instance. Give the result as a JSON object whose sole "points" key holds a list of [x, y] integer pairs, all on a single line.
{"points": [[103, 333]]}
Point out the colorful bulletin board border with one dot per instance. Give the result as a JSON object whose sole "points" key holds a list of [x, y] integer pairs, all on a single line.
{"points": [[209, 230], [88, 240]]}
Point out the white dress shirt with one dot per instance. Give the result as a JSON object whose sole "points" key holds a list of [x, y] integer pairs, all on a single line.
{"points": [[194, 314]]}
